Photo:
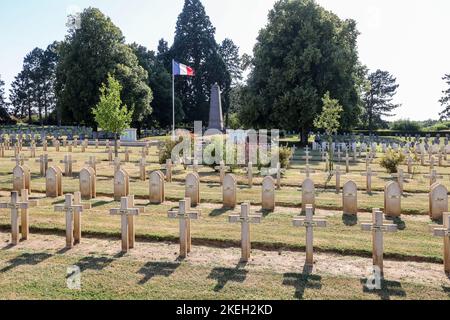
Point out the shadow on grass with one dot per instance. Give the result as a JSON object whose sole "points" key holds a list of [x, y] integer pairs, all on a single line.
{"points": [[447, 289], [94, 263], [264, 213], [30, 259], [155, 269], [101, 203], [225, 275], [388, 289], [401, 225], [302, 281], [220, 211], [350, 220]]}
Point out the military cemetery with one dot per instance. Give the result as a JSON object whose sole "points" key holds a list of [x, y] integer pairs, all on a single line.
{"points": [[154, 184]]}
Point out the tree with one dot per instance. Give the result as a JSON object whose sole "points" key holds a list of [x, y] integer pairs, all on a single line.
{"points": [[303, 52], [195, 45], [93, 48], [33, 88], [4, 116], [161, 82], [230, 55], [445, 100], [378, 97], [328, 120], [109, 113], [163, 55], [20, 96]]}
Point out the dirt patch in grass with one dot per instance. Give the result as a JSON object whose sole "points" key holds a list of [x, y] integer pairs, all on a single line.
{"points": [[279, 262]]}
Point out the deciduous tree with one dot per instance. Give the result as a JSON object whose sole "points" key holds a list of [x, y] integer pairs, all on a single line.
{"points": [[109, 113], [303, 52]]}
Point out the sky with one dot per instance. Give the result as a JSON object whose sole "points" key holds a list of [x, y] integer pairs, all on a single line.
{"points": [[405, 37]]}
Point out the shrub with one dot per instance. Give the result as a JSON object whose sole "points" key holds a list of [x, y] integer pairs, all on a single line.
{"points": [[406, 125], [217, 143], [285, 155], [166, 152], [391, 160]]}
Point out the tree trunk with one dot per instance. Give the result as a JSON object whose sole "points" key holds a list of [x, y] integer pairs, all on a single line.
{"points": [[330, 153], [116, 150], [29, 114], [303, 137]]}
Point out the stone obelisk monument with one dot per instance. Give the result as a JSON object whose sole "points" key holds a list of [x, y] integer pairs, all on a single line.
{"points": [[215, 110]]}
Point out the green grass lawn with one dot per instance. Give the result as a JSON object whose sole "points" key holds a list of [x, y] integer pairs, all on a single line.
{"points": [[120, 278], [42, 274]]}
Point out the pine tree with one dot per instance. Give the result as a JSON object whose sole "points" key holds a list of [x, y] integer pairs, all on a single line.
{"points": [[20, 96], [4, 116], [378, 98], [195, 45], [445, 100], [230, 55]]}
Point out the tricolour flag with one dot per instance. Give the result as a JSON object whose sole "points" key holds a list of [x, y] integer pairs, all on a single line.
{"points": [[179, 69]]}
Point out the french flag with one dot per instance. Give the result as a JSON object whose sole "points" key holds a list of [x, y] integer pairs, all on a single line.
{"points": [[179, 69]]}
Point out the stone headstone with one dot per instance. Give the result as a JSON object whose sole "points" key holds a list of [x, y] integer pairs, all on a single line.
{"points": [[53, 182], [393, 200], [350, 198], [268, 194], [121, 184], [193, 188], [229, 191], [438, 201], [308, 194], [156, 187], [88, 183], [21, 178]]}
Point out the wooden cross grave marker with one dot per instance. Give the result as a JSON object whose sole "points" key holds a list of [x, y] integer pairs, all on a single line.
{"points": [[142, 164], [117, 165], [433, 176], [92, 163], [14, 206], [168, 167], [185, 214], [19, 159], [378, 227], [24, 217], [309, 223], [444, 232], [307, 171], [68, 165], [73, 231], [369, 174], [401, 176], [337, 172], [222, 170], [43, 161], [245, 219], [127, 214]]}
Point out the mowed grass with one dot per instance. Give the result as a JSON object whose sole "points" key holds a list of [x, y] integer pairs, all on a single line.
{"points": [[414, 242], [415, 200], [43, 275]]}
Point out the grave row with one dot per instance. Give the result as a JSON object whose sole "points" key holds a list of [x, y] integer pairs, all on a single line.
{"points": [[128, 211]]}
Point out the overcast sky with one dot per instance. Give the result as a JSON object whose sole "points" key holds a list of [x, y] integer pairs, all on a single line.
{"points": [[409, 38]]}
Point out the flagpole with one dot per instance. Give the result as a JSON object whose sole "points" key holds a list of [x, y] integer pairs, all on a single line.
{"points": [[173, 104]]}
